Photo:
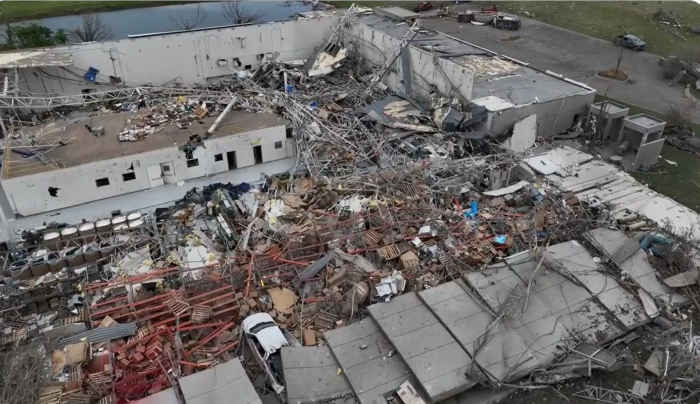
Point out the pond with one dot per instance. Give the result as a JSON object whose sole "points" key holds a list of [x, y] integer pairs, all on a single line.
{"points": [[163, 18]]}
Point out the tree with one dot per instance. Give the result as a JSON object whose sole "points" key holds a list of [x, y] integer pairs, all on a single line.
{"points": [[680, 115], [187, 24], [23, 372], [237, 13], [620, 55], [36, 36], [596, 123], [91, 29], [6, 36]]}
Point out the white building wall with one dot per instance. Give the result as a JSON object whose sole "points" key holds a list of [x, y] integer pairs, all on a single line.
{"points": [[29, 195], [553, 117], [190, 56], [376, 47]]}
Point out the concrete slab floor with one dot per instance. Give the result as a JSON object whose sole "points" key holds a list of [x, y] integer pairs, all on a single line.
{"points": [[227, 382], [481, 396], [142, 200], [311, 375], [430, 351], [578, 261], [490, 343], [367, 360], [556, 309]]}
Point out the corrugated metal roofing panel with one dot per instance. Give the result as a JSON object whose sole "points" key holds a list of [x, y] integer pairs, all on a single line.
{"points": [[314, 268], [683, 279], [102, 334]]}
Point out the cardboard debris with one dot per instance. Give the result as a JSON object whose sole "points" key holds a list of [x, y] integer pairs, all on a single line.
{"points": [[76, 353], [309, 338], [107, 321], [283, 299]]}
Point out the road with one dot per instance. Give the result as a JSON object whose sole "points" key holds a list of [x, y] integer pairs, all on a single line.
{"points": [[577, 57]]}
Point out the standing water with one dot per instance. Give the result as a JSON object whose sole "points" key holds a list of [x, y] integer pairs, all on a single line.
{"points": [[162, 18]]}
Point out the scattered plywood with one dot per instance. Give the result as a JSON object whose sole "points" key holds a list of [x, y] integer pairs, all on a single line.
{"points": [[107, 321], [283, 299], [76, 353], [309, 338]]}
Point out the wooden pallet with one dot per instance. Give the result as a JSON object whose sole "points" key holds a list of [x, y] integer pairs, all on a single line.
{"points": [[75, 397], [371, 238], [200, 313], [100, 383], [177, 305], [389, 252], [325, 321], [108, 399], [51, 395], [15, 324]]}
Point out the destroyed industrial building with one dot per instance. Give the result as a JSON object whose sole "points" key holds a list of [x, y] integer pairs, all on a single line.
{"points": [[342, 207]]}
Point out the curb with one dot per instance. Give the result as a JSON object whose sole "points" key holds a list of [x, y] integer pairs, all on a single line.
{"points": [[626, 81], [690, 96]]}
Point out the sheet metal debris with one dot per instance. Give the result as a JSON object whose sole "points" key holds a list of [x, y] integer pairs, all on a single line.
{"points": [[389, 195]]}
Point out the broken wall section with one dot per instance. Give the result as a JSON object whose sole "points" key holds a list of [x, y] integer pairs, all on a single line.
{"points": [[151, 56], [375, 46], [553, 116]]}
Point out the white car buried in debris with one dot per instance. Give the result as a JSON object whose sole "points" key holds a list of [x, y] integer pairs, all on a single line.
{"points": [[265, 340]]}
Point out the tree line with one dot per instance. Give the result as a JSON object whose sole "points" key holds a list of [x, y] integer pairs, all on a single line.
{"points": [[92, 28], [33, 35]]}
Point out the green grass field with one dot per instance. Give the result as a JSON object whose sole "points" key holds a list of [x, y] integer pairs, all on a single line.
{"points": [[27, 10], [680, 182], [604, 19]]}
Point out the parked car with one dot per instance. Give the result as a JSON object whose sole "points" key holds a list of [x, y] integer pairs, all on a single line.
{"points": [[630, 41], [265, 340], [423, 6], [504, 21]]}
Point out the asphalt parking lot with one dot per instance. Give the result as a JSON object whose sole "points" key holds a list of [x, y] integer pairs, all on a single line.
{"points": [[575, 56]]}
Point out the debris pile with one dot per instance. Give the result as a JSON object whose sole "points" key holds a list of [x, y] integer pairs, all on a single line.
{"points": [[389, 196], [182, 113]]}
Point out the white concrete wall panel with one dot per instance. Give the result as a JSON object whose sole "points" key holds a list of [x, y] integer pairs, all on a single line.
{"points": [[29, 195], [192, 57]]}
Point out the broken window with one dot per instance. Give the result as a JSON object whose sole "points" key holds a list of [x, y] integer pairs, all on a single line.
{"points": [[193, 163], [218, 157], [129, 176], [102, 182]]}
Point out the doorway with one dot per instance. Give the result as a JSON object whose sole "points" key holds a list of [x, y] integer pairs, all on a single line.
{"points": [[232, 163], [168, 172], [277, 40], [257, 153], [155, 176]]}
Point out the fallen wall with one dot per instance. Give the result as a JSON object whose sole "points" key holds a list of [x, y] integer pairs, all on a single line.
{"points": [[553, 117], [376, 47], [191, 57]]}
